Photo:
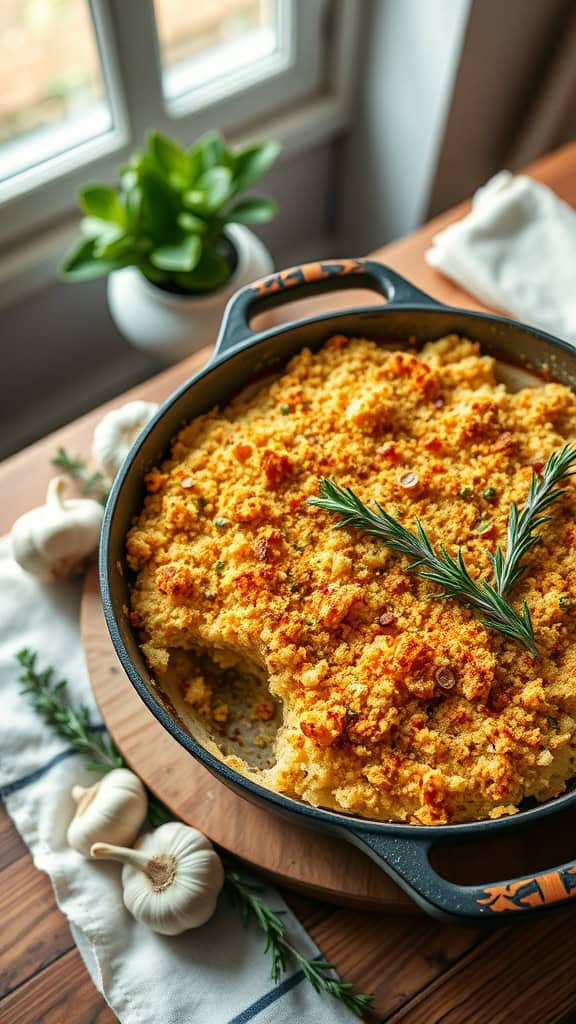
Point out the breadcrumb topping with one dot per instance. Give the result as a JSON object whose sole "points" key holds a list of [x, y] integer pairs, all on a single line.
{"points": [[396, 705]]}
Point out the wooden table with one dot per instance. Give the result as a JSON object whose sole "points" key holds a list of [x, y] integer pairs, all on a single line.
{"points": [[420, 972]]}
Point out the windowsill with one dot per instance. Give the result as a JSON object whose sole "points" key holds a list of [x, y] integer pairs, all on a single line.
{"points": [[33, 265]]}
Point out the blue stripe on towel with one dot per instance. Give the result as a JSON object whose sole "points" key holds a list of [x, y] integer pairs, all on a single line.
{"points": [[13, 787], [268, 999]]}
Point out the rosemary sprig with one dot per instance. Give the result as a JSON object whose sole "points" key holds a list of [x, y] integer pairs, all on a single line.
{"points": [[522, 525], [245, 898], [49, 701], [93, 485], [449, 573], [320, 973]]}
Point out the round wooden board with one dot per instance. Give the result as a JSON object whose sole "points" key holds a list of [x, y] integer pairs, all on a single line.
{"points": [[320, 866]]}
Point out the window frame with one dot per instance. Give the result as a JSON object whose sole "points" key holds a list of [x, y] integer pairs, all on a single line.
{"points": [[127, 39]]}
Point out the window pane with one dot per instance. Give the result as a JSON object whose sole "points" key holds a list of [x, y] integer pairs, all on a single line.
{"points": [[51, 89], [207, 40]]}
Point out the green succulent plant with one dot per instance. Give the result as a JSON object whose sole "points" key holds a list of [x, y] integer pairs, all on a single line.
{"points": [[169, 214]]}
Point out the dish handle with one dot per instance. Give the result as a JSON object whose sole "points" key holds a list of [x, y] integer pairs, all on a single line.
{"points": [[306, 280], [407, 861]]}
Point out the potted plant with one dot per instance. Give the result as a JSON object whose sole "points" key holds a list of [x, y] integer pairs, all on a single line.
{"points": [[174, 240]]}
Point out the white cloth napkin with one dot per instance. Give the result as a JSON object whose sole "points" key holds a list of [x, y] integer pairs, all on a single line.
{"points": [[215, 975], [516, 251]]}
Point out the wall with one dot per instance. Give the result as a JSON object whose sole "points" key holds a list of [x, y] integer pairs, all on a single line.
{"points": [[514, 95], [411, 52], [61, 353]]}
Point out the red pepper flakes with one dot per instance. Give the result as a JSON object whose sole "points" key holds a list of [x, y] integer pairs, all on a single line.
{"points": [[277, 467], [389, 452], [242, 452], [432, 444], [505, 443]]}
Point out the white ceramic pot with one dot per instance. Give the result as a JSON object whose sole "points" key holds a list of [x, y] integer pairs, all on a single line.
{"points": [[170, 326]]}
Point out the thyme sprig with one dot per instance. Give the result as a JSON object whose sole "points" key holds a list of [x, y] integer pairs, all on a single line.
{"points": [[93, 485], [522, 525], [48, 698], [439, 567]]}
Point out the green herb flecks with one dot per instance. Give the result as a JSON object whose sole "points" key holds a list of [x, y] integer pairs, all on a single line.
{"points": [[484, 526]]}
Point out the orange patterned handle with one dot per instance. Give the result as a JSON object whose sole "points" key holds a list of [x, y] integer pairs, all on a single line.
{"points": [[320, 276], [528, 893], [307, 273], [408, 861]]}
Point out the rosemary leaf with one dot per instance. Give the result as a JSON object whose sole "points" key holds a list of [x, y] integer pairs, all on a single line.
{"points": [[48, 699], [93, 485], [436, 566], [522, 525], [319, 973]]}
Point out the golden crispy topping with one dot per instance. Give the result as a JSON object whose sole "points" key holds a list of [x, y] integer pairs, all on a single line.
{"points": [[397, 705]]}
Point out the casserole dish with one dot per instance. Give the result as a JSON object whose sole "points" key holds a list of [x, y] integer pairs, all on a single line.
{"points": [[240, 357]]}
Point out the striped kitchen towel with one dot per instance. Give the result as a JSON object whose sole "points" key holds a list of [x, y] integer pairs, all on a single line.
{"points": [[217, 974]]}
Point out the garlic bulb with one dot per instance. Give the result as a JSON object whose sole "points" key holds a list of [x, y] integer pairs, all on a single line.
{"points": [[112, 811], [171, 878], [54, 540], [116, 433]]}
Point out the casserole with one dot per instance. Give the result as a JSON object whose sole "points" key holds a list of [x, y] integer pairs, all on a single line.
{"points": [[240, 357]]}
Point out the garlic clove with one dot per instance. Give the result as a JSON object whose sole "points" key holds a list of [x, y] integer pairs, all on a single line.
{"points": [[171, 879], [55, 540], [116, 432], [112, 811]]}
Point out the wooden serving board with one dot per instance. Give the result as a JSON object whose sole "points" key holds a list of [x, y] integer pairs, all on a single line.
{"points": [[291, 855]]}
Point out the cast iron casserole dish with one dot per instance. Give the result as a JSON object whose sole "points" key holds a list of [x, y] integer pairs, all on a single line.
{"points": [[240, 356]]}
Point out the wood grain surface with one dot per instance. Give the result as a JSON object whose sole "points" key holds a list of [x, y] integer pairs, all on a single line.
{"points": [[420, 972]]}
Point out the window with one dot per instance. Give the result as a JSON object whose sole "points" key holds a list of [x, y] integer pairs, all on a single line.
{"points": [[51, 88], [201, 45], [82, 80]]}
